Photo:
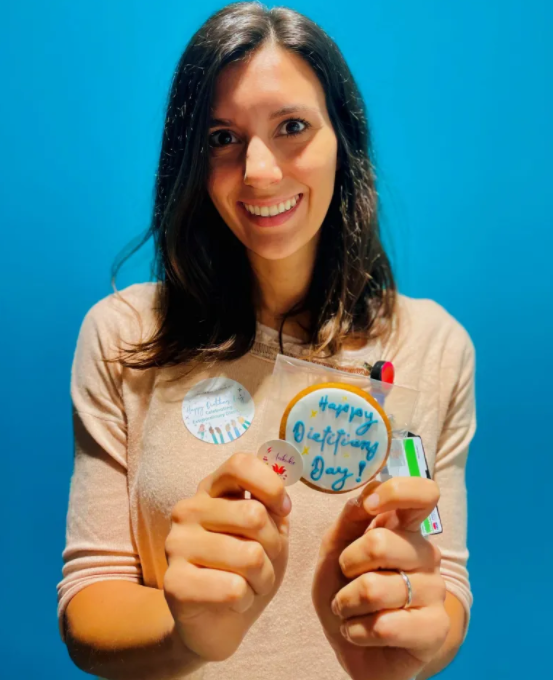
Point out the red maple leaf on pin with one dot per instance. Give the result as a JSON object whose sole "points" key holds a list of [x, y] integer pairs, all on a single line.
{"points": [[279, 469]]}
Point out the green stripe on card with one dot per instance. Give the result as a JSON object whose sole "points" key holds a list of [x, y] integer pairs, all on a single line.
{"points": [[411, 457], [427, 526]]}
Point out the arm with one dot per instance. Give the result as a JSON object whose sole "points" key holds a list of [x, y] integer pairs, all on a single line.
{"points": [[113, 625], [219, 579], [124, 631], [357, 591], [449, 649], [451, 458]]}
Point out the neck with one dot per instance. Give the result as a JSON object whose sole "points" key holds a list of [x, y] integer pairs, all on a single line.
{"points": [[280, 285]]}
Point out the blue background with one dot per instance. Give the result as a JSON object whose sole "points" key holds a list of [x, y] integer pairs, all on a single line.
{"points": [[460, 99]]}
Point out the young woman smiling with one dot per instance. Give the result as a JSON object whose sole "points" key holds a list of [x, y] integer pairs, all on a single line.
{"points": [[266, 236]]}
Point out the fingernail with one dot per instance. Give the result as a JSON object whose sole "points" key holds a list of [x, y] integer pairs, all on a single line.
{"points": [[334, 607], [344, 631], [286, 504], [372, 501]]}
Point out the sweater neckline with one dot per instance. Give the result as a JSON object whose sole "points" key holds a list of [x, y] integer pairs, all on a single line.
{"points": [[266, 346]]}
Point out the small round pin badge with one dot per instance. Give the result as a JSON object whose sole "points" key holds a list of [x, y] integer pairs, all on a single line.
{"points": [[218, 410], [283, 458]]}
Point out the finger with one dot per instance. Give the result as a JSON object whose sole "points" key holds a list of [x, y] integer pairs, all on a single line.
{"points": [[348, 526], [354, 519], [245, 472], [415, 629], [329, 579], [229, 553], [412, 498], [378, 590], [190, 589], [246, 518], [384, 549]]}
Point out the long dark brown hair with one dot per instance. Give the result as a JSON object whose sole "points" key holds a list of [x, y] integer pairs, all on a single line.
{"points": [[205, 303]]}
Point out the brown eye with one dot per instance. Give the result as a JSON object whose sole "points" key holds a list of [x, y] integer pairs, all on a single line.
{"points": [[294, 123], [219, 138]]}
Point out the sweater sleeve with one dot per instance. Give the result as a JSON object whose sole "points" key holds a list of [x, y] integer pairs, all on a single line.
{"points": [[457, 369], [99, 540]]}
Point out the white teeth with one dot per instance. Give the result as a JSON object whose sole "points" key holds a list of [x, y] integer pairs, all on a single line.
{"points": [[271, 210]]}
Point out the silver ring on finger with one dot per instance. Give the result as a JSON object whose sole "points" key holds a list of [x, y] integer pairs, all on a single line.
{"points": [[409, 589]]}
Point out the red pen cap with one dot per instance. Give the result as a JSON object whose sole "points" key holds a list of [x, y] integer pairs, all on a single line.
{"points": [[383, 371]]}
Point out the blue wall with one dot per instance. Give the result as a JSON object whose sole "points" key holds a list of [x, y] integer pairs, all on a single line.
{"points": [[461, 104]]}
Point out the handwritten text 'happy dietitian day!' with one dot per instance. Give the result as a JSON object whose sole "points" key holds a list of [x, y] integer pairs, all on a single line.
{"points": [[331, 440]]}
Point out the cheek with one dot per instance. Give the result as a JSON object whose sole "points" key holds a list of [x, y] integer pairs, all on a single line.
{"points": [[221, 205], [219, 184], [319, 164]]}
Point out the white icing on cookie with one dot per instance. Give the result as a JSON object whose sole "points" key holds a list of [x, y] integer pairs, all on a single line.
{"points": [[342, 434]]}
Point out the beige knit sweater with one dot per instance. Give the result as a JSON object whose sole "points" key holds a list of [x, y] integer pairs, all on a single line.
{"points": [[134, 459]]}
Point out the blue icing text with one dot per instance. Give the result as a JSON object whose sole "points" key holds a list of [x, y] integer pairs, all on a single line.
{"points": [[299, 431], [330, 440], [334, 439], [318, 469], [354, 412]]}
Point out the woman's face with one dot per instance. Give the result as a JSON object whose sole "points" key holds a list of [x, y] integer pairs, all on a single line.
{"points": [[255, 160]]}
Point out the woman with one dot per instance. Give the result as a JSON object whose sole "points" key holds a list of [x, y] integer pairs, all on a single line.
{"points": [[266, 234]]}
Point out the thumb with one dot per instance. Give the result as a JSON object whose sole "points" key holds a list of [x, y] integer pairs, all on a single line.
{"points": [[350, 524]]}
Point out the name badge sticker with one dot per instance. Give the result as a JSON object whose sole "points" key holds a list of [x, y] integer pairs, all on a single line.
{"points": [[218, 410]]}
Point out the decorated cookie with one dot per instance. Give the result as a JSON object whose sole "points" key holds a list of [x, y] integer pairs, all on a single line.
{"points": [[341, 432]]}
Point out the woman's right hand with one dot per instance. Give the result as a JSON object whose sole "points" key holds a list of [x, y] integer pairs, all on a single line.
{"points": [[226, 555]]}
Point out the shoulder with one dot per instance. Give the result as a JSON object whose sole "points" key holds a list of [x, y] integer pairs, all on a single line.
{"points": [[434, 353], [425, 327], [128, 315]]}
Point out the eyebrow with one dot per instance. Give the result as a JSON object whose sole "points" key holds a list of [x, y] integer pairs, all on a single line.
{"points": [[286, 110]]}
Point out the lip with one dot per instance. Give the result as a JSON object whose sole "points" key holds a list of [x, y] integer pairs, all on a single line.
{"points": [[269, 221]]}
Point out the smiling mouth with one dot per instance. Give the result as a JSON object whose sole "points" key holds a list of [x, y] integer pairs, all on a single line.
{"points": [[271, 220]]}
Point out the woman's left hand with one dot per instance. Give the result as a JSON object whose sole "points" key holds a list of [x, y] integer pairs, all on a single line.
{"points": [[359, 594]]}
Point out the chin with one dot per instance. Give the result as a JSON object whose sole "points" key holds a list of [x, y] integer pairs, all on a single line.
{"points": [[280, 248]]}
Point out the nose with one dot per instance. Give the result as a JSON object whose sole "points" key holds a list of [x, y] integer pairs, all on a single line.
{"points": [[261, 168]]}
